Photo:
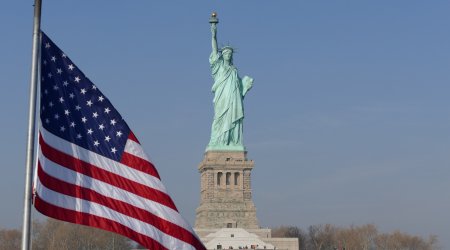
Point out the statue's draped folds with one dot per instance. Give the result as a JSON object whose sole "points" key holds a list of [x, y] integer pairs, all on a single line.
{"points": [[229, 91]]}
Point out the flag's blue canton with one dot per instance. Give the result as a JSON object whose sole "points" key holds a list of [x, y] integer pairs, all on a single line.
{"points": [[74, 109]]}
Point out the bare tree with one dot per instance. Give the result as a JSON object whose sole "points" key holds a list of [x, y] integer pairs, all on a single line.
{"points": [[322, 237], [401, 241], [365, 237], [53, 234], [356, 237], [10, 239]]}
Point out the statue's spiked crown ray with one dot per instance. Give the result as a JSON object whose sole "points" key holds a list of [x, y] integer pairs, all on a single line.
{"points": [[227, 47]]}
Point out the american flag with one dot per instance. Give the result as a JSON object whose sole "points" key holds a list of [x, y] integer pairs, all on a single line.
{"points": [[91, 168]]}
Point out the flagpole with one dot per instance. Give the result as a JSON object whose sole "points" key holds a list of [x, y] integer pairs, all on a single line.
{"points": [[26, 245]]}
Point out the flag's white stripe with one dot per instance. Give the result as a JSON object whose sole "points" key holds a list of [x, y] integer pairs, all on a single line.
{"points": [[101, 161], [111, 191], [84, 206], [135, 149]]}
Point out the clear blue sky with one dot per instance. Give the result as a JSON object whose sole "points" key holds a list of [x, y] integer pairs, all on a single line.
{"points": [[348, 121]]}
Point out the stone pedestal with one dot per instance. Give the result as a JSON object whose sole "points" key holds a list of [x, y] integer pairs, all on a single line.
{"points": [[226, 194]]}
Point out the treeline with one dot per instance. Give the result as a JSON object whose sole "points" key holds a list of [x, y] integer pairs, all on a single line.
{"points": [[366, 237], [57, 235]]}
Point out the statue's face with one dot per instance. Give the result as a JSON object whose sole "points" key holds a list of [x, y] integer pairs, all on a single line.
{"points": [[227, 54]]}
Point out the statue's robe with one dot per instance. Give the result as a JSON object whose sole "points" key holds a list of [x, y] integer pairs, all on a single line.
{"points": [[229, 91]]}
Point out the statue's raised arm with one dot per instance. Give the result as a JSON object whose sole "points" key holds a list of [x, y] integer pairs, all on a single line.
{"points": [[214, 38], [229, 91]]}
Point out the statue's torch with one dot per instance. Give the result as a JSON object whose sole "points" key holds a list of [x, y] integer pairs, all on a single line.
{"points": [[214, 19]]}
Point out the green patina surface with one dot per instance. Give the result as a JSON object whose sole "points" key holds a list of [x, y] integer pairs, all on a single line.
{"points": [[229, 92]]}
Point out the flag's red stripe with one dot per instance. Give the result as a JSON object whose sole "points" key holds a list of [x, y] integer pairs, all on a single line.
{"points": [[132, 137], [95, 172], [145, 166], [94, 221], [165, 226], [139, 164]]}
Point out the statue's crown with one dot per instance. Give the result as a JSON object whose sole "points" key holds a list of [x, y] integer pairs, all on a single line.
{"points": [[226, 48]]}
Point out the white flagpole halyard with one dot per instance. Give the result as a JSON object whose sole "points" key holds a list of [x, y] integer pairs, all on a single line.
{"points": [[26, 245]]}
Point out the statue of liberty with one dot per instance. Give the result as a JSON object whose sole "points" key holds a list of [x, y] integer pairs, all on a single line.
{"points": [[229, 91]]}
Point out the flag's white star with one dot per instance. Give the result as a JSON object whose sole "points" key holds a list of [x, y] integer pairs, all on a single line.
{"points": [[63, 55], [83, 91], [65, 83], [47, 45], [79, 136], [45, 62], [71, 95], [107, 138], [49, 75], [59, 71], [61, 99], [90, 131], [72, 124], [62, 128], [101, 126], [66, 112], [89, 103], [53, 59], [113, 150], [77, 79], [77, 107], [107, 110], [96, 143], [56, 116], [47, 121], [119, 133], [83, 119], [94, 87], [50, 104], [113, 122], [71, 67], [101, 98], [95, 115], [46, 91], [55, 87]]}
